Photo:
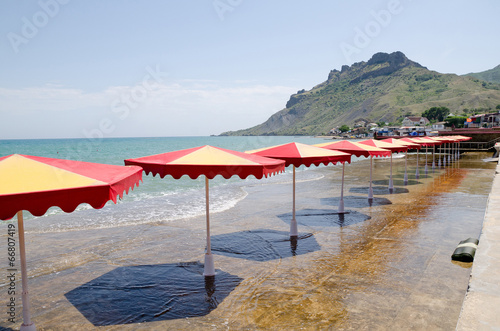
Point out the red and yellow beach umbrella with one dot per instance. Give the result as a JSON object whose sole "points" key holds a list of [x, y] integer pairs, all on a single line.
{"points": [[444, 140], [35, 184], [451, 140], [410, 145], [426, 142], [394, 148], [355, 148], [461, 139], [297, 154], [358, 150], [208, 161], [402, 141]]}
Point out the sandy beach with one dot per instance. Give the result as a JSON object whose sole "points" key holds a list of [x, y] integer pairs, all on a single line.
{"points": [[384, 265]]}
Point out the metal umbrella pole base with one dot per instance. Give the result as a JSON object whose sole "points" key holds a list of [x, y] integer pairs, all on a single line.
{"points": [[294, 232], [209, 267]]}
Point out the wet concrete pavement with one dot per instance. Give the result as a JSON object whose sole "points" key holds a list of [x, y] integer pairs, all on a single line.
{"points": [[385, 266], [480, 309]]}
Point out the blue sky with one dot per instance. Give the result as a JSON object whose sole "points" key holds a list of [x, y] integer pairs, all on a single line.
{"points": [[80, 69]]}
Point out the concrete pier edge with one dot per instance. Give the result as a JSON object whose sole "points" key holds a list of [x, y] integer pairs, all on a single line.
{"points": [[480, 309]]}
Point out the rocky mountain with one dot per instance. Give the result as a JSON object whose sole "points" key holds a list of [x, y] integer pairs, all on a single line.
{"points": [[385, 88], [492, 75]]}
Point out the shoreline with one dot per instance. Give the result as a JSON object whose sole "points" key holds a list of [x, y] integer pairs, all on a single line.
{"points": [[364, 273]]}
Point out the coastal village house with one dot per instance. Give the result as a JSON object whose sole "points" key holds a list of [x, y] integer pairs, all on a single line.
{"points": [[360, 123], [483, 120], [438, 126], [415, 121]]}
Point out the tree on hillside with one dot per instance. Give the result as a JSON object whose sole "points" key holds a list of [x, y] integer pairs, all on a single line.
{"points": [[436, 113], [455, 121], [344, 128], [498, 107]]}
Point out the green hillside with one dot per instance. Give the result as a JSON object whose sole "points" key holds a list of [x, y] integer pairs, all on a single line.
{"points": [[492, 75], [386, 88]]}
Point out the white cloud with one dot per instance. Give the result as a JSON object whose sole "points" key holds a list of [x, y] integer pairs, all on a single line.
{"points": [[188, 107], [49, 97]]}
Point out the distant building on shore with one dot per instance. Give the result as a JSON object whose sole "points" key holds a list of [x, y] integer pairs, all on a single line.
{"points": [[415, 121], [483, 121]]}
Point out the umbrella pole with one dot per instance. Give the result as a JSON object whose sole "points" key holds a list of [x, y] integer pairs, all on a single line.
{"points": [[341, 203], [391, 183], [293, 223], [209, 268], [370, 189], [450, 156], [417, 174], [426, 168], [444, 156], [439, 157], [406, 162], [27, 325], [433, 164]]}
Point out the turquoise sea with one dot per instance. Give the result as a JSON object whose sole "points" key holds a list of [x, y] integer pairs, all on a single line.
{"points": [[155, 199]]}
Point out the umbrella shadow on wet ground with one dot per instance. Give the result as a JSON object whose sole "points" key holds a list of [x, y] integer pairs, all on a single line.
{"points": [[148, 293], [325, 217], [263, 244], [399, 186], [379, 190], [356, 201], [398, 180]]}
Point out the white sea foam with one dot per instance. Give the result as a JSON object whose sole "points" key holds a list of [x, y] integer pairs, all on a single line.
{"points": [[169, 207]]}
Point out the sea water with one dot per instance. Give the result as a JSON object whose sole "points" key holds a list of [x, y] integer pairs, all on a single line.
{"points": [[155, 199]]}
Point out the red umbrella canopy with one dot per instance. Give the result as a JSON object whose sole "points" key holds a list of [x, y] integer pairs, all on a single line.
{"points": [[441, 140], [35, 184], [463, 138], [447, 139], [410, 145], [355, 148], [385, 145], [301, 154], [209, 161], [423, 141]]}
